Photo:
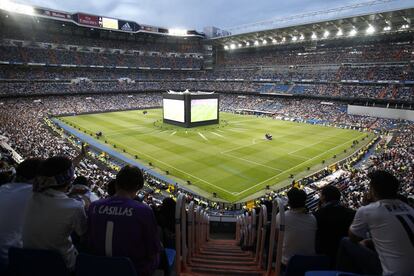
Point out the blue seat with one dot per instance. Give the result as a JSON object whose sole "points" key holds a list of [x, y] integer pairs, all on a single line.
{"points": [[330, 273], [170, 256], [89, 265], [28, 262], [298, 265]]}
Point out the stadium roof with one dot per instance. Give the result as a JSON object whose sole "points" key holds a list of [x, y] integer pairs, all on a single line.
{"points": [[321, 25]]}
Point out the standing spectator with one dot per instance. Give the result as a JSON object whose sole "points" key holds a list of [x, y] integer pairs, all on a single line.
{"points": [[51, 215], [300, 227], [13, 200], [122, 226], [333, 222], [390, 223]]}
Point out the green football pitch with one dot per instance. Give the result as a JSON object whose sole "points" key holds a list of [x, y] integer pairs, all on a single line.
{"points": [[232, 159]]}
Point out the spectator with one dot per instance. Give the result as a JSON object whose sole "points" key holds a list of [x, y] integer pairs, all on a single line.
{"points": [[300, 227], [82, 188], [13, 200], [51, 215], [333, 222], [121, 226], [390, 223]]}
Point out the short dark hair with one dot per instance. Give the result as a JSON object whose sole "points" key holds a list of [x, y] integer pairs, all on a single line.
{"points": [[297, 198], [28, 169], [331, 193], [384, 184], [129, 179], [81, 180], [54, 166]]}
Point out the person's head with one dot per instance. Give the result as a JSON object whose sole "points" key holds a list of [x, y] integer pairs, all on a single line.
{"points": [[27, 170], [129, 180], [6, 173], [296, 198], [330, 193], [168, 206], [81, 180], [56, 172], [383, 185], [110, 187]]}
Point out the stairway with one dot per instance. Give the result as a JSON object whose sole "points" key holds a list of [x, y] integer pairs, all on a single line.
{"points": [[223, 257]]}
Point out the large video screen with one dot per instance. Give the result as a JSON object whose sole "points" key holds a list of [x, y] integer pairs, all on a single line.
{"points": [[204, 110], [173, 110]]}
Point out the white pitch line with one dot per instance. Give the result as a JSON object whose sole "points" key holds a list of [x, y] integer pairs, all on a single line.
{"points": [[240, 147], [221, 131], [202, 136], [168, 165], [173, 133], [219, 135], [253, 162], [264, 181]]}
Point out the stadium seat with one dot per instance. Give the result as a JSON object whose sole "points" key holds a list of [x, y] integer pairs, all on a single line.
{"points": [[29, 262], [299, 264], [88, 265], [330, 273]]}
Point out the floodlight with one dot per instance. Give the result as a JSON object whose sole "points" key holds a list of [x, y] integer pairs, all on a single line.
{"points": [[302, 37], [314, 36], [370, 30], [326, 34], [232, 46], [405, 26], [226, 47], [247, 43], [240, 45], [274, 41], [264, 42], [256, 43], [283, 39], [353, 32], [177, 32], [339, 33], [294, 38], [16, 7], [387, 28]]}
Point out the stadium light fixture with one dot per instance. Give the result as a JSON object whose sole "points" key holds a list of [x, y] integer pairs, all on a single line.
{"points": [[283, 39], [405, 26], [247, 43], [339, 33], [232, 46], [16, 7], [264, 42], [314, 36], [353, 32], [326, 34], [387, 28], [370, 30], [294, 38], [226, 47], [240, 45], [274, 41], [301, 37], [256, 43], [177, 32]]}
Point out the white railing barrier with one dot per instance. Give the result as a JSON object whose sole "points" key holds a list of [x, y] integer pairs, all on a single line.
{"points": [[277, 207]]}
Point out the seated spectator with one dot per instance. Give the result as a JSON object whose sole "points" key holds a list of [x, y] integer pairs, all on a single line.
{"points": [[333, 222], [51, 215], [82, 188], [110, 187], [390, 223], [13, 200], [300, 227], [121, 226]]}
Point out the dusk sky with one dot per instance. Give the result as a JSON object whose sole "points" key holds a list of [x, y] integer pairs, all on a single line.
{"points": [[196, 14]]}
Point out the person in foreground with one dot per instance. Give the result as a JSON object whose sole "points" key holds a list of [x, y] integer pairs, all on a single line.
{"points": [[300, 227], [383, 229], [122, 226], [51, 215]]}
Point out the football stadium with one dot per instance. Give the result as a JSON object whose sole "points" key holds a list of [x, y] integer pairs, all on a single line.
{"points": [[281, 145]]}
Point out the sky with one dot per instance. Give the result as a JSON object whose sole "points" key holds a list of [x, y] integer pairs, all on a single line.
{"points": [[196, 14]]}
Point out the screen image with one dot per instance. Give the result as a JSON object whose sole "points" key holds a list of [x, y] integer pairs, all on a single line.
{"points": [[109, 23], [204, 110], [173, 110]]}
